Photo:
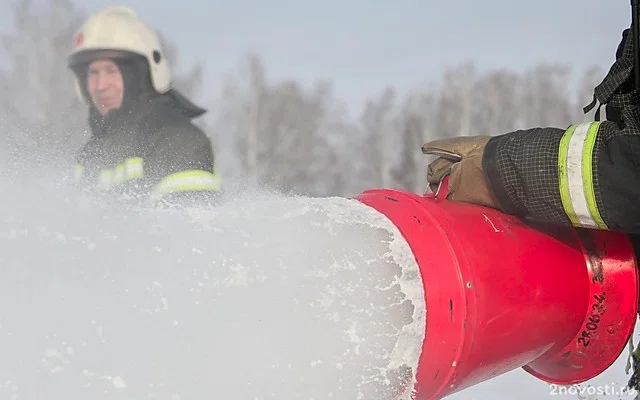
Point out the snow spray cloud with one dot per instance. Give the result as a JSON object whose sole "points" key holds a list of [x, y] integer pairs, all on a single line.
{"points": [[263, 297]]}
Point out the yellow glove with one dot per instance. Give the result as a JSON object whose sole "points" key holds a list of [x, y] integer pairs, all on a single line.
{"points": [[460, 158]]}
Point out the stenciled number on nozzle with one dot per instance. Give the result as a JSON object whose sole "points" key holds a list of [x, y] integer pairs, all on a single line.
{"points": [[597, 310]]}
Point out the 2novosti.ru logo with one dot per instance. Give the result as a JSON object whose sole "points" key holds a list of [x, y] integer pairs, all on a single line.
{"points": [[585, 392]]}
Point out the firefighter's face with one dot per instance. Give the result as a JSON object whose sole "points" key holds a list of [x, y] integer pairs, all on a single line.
{"points": [[105, 85]]}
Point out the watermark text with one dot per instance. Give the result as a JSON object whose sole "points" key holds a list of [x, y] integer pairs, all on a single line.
{"points": [[586, 391]]}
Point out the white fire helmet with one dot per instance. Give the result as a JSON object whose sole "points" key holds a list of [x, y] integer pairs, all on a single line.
{"points": [[114, 32]]}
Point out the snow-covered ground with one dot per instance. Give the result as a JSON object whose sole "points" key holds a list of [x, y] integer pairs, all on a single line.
{"points": [[263, 297]]}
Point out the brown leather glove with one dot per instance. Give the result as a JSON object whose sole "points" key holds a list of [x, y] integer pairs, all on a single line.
{"points": [[460, 158]]}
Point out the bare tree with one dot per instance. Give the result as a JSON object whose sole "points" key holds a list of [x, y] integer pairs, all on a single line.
{"points": [[285, 135], [497, 103], [241, 114], [296, 135], [346, 163], [456, 101], [417, 116], [378, 121], [38, 102], [546, 99]]}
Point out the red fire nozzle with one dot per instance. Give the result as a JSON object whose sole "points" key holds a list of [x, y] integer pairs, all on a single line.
{"points": [[560, 303]]}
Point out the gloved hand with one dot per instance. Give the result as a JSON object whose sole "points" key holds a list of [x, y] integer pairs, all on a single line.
{"points": [[460, 158]]}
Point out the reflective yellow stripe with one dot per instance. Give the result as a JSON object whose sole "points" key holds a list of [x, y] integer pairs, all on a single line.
{"points": [[78, 172], [192, 180], [132, 168], [575, 173]]}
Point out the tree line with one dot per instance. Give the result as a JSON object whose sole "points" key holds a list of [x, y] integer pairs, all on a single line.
{"points": [[280, 133]]}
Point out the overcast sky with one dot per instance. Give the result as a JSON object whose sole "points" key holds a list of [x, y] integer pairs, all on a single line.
{"points": [[362, 45]]}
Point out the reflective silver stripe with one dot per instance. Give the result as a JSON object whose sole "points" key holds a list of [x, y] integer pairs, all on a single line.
{"points": [[575, 167]]}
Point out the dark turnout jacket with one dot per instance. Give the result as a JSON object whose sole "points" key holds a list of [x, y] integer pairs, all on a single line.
{"points": [[585, 175], [150, 151]]}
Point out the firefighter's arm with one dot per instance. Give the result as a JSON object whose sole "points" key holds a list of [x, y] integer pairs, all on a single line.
{"points": [[587, 175], [183, 166]]}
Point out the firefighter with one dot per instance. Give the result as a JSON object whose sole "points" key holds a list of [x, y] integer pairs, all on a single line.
{"points": [[143, 143], [586, 176]]}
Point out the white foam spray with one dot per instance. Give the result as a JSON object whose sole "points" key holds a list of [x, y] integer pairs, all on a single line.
{"points": [[263, 297]]}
